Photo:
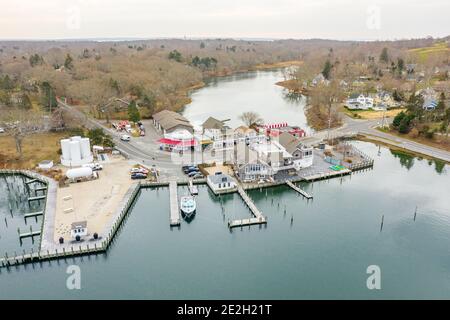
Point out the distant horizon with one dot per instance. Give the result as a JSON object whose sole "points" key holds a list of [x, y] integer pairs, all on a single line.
{"points": [[341, 20], [111, 39]]}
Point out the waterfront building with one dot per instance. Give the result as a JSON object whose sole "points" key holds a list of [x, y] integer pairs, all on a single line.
{"points": [[302, 156], [249, 167], [167, 121], [213, 128], [248, 135], [179, 140], [221, 183]]}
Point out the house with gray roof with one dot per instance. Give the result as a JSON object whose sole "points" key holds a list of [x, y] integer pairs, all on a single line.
{"points": [[221, 183]]}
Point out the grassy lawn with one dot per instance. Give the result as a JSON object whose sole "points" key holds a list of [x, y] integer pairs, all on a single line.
{"points": [[370, 114], [424, 52], [38, 147]]}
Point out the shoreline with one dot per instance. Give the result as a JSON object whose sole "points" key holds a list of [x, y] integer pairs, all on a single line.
{"points": [[392, 146]]}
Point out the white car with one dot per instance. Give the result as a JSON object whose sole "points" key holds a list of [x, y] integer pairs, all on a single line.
{"points": [[2, 130], [94, 166], [125, 137]]}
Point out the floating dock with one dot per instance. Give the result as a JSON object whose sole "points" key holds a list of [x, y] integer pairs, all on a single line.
{"points": [[32, 181], [302, 192], [36, 198], [258, 216], [174, 210], [30, 234], [33, 214]]}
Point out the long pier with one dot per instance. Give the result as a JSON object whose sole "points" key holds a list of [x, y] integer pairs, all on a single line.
{"points": [[302, 192], [258, 216], [174, 210]]}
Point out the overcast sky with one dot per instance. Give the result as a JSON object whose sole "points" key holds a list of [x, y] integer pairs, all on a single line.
{"points": [[331, 19]]}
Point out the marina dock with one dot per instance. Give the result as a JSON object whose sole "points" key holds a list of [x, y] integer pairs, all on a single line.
{"points": [[33, 214], [174, 210], [258, 216], [36, 198], [302, 192]]}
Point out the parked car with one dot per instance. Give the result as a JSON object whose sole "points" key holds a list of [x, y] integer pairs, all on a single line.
{"points": [[138, 175], [2, 130], [198, 176], [94, 166], [193, 173], [125, 137], [139, 170]]}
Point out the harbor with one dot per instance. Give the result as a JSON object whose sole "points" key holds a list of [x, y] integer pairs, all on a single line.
{"points": [[327, 233]]}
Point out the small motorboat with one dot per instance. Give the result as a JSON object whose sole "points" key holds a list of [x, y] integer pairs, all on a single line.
{"points": [[188, 205]]}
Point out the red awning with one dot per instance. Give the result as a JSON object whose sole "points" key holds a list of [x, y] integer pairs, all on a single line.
{"points": [[169, 141], [185, 143]]}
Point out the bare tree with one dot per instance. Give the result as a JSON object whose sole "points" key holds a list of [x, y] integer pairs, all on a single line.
{"points": [[19, 123], [251, 118]]}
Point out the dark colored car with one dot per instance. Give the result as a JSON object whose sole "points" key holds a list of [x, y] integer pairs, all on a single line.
{"points": [[138, 175]]}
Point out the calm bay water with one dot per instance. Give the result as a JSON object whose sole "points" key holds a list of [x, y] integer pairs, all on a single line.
{"points": [[323, 253], [309, 249], [228, 97], [13, 206]]}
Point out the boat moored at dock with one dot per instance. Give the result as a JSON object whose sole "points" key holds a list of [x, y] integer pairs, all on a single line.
{"points": [[188, 206]]}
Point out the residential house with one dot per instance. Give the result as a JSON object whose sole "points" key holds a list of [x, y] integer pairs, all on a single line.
{"points": [[301, 155], [319, 79], [358, 101], [273, 154], [249, 167], [221, 136], [213, 128]]}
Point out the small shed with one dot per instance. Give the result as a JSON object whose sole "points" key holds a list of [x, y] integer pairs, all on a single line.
{"points": [[79, 230], [46, 164]]}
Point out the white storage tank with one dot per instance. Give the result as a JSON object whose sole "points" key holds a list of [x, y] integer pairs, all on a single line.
{"points": [[65, 149], [75, 152], [77, 173], [85, 148]]}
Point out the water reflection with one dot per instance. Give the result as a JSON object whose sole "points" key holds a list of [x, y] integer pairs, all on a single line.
{"points": [[407, 161]]}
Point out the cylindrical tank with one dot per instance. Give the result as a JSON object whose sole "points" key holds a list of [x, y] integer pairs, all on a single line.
{"points": [[85, 148], [75, 153], [65, 148], [79, 173]]}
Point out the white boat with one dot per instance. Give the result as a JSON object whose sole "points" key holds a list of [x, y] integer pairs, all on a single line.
{"points": [[192, 188], [188, 205]]}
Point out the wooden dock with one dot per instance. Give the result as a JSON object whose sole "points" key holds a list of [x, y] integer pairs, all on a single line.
{"points": [[175, 219], [302, 192], [33, 214], [36, 198], [258, 216], [30, 234]]}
